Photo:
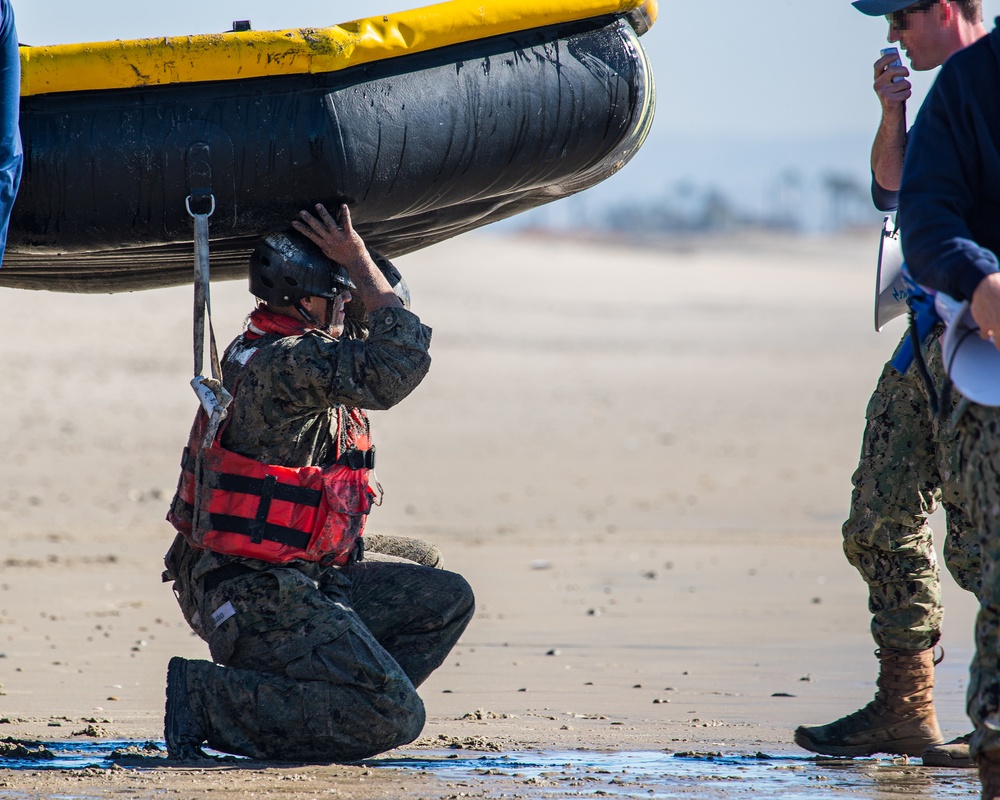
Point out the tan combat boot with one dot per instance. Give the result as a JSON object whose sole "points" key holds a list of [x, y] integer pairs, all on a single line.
{"points": [[989, 776], [900, 720], [950, 754]]}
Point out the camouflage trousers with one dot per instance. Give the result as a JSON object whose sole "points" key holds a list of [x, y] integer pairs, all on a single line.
{"points": [[315, 663], [980, 430], [909, 463]]}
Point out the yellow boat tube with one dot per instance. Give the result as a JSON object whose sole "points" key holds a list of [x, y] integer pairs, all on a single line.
{"points": [[126, 64]]}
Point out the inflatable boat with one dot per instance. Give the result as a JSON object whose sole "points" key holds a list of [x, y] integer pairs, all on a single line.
{"points": [[428, 123]]}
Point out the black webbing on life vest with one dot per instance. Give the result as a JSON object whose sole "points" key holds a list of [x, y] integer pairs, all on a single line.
{"points": [[227, 523], [357, 459], [268, 531], [263, 507], [299, 495], [227, 481]]}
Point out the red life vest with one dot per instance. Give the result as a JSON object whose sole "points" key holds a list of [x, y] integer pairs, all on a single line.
{"points": [[274, 513]]}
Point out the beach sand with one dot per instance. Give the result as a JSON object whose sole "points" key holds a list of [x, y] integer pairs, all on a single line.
{"points": [[640, 458]]}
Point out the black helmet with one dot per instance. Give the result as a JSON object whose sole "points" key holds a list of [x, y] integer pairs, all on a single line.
{"points": [[285, 267]]}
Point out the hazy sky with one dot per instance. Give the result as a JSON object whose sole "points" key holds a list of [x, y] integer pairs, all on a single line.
{"points": [[764, 67], [765, 72]]}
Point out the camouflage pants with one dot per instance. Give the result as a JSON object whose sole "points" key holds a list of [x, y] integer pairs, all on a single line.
{"points": [[317, 663], [909, 464], [980, 431]]}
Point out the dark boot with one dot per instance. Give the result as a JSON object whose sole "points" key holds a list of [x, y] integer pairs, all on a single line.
{"points": [[900, 720], [182, 731], [989, 776]]}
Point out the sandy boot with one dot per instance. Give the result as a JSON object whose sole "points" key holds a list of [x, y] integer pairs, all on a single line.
{"points": [[950, 754], [900, 720], [989, 775]]}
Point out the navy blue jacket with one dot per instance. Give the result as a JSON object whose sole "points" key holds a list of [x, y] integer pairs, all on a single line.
{"points": [[949, 199], [884, 199]]}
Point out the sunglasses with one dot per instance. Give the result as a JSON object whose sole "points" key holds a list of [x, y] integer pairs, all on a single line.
{"points": [[899, 19]]}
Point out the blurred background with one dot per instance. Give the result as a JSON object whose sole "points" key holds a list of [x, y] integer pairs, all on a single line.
{"points": [[695, 412], [765, 111]]}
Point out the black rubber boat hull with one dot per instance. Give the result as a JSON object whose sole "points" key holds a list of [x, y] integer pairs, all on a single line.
{"points": [[423, 147]]}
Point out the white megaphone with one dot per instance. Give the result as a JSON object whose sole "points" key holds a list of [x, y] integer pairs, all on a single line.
{"points": [[890, 287], [972, 363]]}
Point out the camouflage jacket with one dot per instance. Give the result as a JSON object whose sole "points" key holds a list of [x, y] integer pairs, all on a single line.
{"points": [[287, 406], [285, 411]]}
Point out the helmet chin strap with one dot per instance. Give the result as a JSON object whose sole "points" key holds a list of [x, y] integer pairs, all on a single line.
{"points": [[297, 305], [331, 309]]}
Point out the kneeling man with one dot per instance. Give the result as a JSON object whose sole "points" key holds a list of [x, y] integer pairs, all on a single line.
{"points": [[317, 651]]}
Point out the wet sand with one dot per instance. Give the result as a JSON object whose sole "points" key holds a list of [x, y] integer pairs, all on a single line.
{"points": [[640, 459]]}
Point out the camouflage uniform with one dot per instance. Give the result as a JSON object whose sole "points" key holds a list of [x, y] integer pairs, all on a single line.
{"points": [[909, 463], [979, 428], [313, 662]]}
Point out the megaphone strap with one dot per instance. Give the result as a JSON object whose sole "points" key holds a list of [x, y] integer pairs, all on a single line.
{"points": [[918, 358]]}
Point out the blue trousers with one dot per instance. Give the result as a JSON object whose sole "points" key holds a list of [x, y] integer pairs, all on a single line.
{"points": [[10, 136]]}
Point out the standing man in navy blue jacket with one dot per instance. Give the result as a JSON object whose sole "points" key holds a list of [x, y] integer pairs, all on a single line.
{"points": [[909, 458], [950, 206], [10, 136]]}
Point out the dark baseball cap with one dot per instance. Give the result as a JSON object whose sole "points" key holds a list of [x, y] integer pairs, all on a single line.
{"points": [[879, 8]]}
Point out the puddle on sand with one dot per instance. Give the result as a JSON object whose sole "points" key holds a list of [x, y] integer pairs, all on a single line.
{"points": [[686, 775], [580, 773], [74, 754]]}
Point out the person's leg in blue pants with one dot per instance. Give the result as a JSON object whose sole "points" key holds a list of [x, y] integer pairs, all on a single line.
{"points": [[10, 100]]}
